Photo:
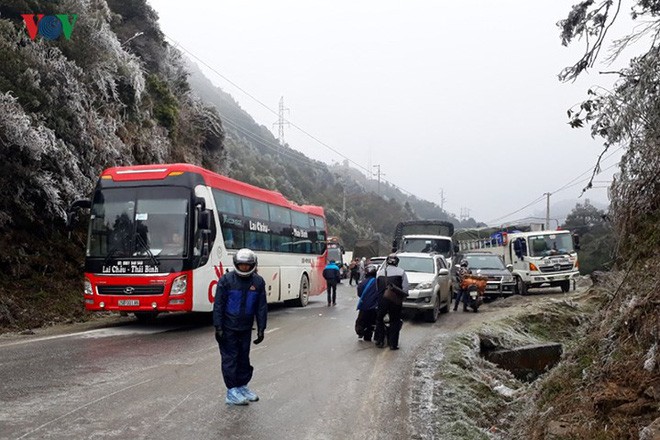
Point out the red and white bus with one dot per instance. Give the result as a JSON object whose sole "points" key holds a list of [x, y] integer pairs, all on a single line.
{"points": [[160, 237]]}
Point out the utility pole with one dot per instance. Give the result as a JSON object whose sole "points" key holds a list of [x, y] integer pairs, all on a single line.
{"points": [[343, 212], [465, 214], [442, 199], [379, 174], [281, 122], [547, 212]]}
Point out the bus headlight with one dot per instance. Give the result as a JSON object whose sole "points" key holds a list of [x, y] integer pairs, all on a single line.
{"points": [[179, 285], [88, 287]]}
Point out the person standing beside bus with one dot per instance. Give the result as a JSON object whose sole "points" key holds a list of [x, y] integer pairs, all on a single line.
{"points": [[392, 283], [331, 275], [240, 297]]}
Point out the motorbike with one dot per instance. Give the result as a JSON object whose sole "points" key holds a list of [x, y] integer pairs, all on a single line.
{"points": [[474, 287]]}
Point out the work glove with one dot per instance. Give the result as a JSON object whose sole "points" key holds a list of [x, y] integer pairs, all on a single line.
{"points": [[260, 338], [218, 335]]}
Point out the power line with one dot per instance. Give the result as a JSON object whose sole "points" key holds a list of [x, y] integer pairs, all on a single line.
{"points": [[517, 210], [590, 170], [363, 168]]}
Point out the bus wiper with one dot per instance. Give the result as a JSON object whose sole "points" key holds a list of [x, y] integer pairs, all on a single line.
{"points": [[110, 254], [141, 242]]}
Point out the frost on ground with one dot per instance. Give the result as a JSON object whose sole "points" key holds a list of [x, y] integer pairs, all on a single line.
{"points": [[457, 394]]}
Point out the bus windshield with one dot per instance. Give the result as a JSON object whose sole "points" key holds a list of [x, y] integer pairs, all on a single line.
{"points": [[139, 222]]}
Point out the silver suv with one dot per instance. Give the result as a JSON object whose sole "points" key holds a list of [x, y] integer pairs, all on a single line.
{"points": [[429, 283]]}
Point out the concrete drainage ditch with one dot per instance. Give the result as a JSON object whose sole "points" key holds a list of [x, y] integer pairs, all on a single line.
{"points": [[526, 363]]}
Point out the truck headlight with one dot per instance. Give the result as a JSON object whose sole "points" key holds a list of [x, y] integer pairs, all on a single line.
{"points": [[179, 285], [507, 279], [88, 287]]}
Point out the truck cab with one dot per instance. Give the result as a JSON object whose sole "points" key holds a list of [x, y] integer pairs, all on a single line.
{"points": [[543, 258], [428, 244], [536, 258]]}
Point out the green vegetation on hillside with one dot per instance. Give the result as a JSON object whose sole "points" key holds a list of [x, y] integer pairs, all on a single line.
{"points": [[116, 93]]}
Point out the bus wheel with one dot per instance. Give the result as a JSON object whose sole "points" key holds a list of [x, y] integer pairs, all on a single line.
{"points": [[145, 317], [521, 287], [303, 295]]}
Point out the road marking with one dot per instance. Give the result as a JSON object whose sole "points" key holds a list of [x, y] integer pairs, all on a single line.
{"points": [[98, 333], [83, 407]]}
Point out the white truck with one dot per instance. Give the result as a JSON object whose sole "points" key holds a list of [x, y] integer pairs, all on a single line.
{"points": [[535, 258]]}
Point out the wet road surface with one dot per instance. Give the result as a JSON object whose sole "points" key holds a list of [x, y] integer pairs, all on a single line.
{"points": [[316, 380]]}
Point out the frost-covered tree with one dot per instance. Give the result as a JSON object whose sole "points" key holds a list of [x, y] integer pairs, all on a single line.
{"points": [[628, 116]]}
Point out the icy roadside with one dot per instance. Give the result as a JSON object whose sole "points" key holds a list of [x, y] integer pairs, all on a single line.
{"points": [[457, 394]]}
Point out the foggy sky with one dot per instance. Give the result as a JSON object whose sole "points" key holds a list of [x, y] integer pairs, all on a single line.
{"points": [[460, 96]]}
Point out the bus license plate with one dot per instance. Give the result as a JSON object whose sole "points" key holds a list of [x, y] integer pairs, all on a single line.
{"points": [[129, 302]]}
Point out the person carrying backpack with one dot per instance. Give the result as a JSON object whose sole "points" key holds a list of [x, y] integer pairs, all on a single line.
{"points": [[331, 275]]}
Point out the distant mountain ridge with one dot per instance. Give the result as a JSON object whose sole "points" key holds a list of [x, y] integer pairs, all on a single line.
{"points": [[254, 155]]}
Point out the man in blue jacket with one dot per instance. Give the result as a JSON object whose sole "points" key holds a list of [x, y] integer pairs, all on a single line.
{"points": [[367, 306], [331, 275], [239, 298]]}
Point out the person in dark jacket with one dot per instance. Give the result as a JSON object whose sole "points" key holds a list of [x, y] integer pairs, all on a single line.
{"points": [[392, 283], [240, 297], [367, 305], [354, 272], [331, 275], [461, 294]]}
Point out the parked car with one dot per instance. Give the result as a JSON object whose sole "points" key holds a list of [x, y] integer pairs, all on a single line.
{"points": [[377, 261], [429, 283], [500, 280]]}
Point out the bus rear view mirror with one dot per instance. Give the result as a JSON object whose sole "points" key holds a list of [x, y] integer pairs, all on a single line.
{"points": [[206, 240], [70, 221], [204, 220], [200, 203], [71, 213]]}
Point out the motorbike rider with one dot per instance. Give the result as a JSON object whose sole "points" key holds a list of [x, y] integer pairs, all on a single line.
{"points": [[367, 305], [240, 297], [461, 293]]}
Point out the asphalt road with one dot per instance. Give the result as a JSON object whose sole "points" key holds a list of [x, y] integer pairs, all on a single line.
{"points": [[316, 380]]}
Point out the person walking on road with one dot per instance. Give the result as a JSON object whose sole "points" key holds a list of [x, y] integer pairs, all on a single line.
{"points": [[331, 275], [240, 298], [354, 272], [367, 305], [392, 283]]}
